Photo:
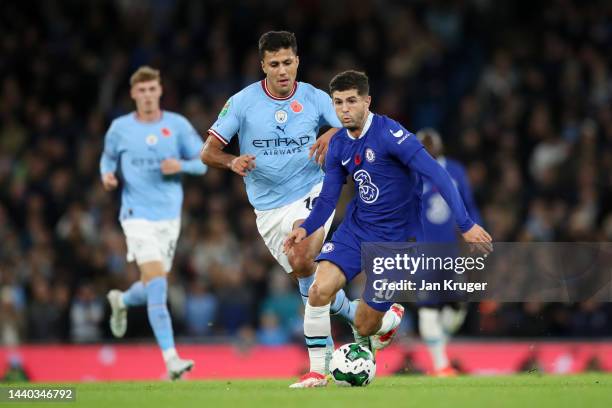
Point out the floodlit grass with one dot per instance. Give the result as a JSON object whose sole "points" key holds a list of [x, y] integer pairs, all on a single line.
{"points": [[591, 390]]}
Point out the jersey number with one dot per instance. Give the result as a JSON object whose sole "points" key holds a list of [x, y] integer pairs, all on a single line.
{"points": [[310, 203]]}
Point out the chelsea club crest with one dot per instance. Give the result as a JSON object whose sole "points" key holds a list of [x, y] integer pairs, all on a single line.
{"points": [[369, 154]]}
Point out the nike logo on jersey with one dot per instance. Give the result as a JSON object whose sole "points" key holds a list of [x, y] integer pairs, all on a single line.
{"points": [[345, 162], [399, 133]]}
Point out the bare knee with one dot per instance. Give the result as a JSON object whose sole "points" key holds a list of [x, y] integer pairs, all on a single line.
{"points": [[319, 296], [151, 270]]}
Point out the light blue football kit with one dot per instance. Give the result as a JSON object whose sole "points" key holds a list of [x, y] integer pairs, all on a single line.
{"points": [[279, 133], [135, 150]]}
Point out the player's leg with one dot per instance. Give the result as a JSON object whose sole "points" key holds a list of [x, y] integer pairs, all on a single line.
{"points": [[301, 258], [136, 295], [329, 280], [156, 284], [152, 245], [436, 326], [379, 322], [432, 334], [120, 301]]}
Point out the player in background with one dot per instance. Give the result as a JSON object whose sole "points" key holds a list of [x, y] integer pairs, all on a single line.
{"points": [[277, 121], [148, 150], [387, 163], [438, 320]]}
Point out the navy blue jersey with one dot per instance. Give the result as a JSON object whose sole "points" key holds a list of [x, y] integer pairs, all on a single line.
{"points": [[438, 221], [387, 163]]}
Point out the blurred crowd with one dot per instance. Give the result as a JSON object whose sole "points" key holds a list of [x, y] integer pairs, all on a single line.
{"points": [[521, 92]]}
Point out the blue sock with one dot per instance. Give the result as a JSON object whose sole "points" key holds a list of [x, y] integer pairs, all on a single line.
{"points": [[344, 307], [157, 309], [136, 295], [305, 284]]}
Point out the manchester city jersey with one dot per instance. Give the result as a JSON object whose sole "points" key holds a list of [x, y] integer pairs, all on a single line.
{"points": [[136, 149], [279, 133]]}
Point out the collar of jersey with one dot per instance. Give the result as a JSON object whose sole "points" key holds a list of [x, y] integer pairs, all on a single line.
{"points": [[264, 85], [135, 117], [366, 127], [442, 161]]}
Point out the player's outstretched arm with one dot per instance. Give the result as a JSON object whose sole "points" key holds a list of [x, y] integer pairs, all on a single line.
{"points": [[213, 155]]}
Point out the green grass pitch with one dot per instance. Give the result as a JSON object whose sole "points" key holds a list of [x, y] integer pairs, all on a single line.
{"points": [[592, 390]]}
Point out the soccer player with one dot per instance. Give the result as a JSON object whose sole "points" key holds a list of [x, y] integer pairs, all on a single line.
{"points": [[387, 163], [438, 320], [277, 120], [150, 149]]}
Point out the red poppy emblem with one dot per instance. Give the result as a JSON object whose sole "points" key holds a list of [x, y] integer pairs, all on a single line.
{"points": [[357, 159], [296, 106], [166, 132]]}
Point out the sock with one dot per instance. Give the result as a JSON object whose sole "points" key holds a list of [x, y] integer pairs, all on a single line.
{"points": [[432, 334], [304, 284], [451, 319], [169, 354], [136, 295], [344, 307], [389, 321], [317, 329], [157, 309]]}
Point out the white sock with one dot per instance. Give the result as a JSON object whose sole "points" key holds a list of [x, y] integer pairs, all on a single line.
{"points": [[316, 330], [452, 319], [169, 354], [432, 333], [389, 321]]}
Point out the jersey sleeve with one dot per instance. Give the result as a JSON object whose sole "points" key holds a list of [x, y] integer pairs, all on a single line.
{"points": [[401, 143], [335, 177], [190, 145], [228, 121], [327, 114], [110, 154]]}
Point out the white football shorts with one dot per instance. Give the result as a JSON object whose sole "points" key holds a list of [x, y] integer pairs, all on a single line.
{"points": [[274, 225], [149, 241]]}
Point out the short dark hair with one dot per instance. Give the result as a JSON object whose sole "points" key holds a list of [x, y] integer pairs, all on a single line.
{"points": [[350, 80], [273, 41]]}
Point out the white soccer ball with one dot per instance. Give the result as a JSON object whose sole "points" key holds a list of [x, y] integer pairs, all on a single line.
{"points": [[352, 365]]}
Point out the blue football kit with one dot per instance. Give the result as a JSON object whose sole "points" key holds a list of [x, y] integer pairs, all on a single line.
{"points": [[388, 164]]}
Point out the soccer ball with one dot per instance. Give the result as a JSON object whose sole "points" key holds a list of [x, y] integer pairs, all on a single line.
{"points": [[352, 365]]}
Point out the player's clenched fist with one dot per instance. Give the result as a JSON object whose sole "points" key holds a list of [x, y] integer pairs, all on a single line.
{"points": [[295, 237], [243, 164], [170, 166], [109, 181], [479, 238]]}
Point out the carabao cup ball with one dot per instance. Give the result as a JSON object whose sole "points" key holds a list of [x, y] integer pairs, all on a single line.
{"points": [[352, 365]]}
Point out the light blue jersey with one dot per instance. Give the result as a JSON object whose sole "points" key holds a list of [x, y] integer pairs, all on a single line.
{"points": [[136, 150], [279, 133]]}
